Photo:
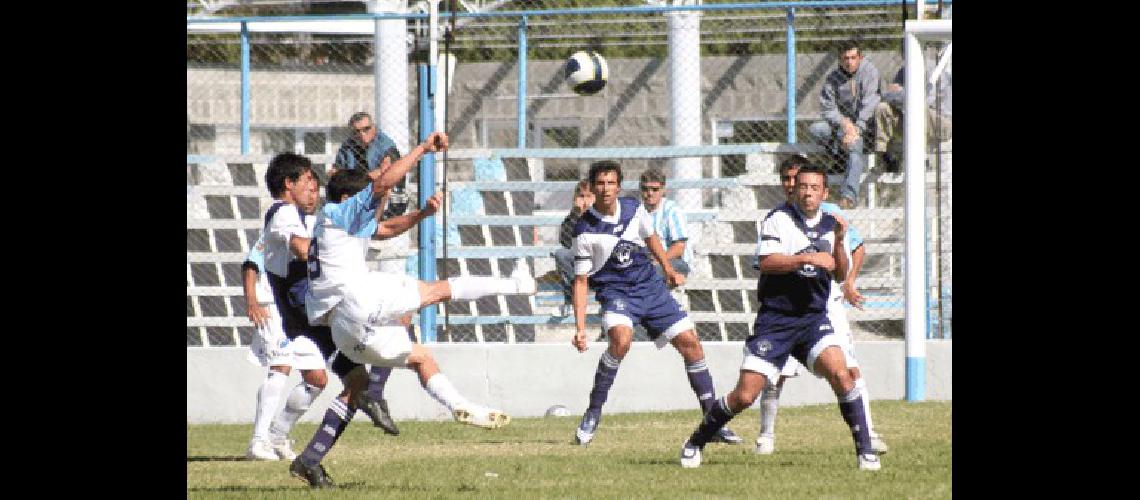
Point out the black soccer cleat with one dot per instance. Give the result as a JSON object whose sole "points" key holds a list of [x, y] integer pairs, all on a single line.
{"points": [[316, 475], [377, 411]]}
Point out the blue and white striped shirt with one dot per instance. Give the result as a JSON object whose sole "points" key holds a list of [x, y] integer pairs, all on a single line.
{"points": [[669, 222]]}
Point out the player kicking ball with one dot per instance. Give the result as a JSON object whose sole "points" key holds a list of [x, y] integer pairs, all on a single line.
{"points": [[363, 308]]}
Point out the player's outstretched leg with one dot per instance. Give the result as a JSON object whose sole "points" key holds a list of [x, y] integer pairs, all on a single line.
{"points": [[748, 386], [700, 380], [268, 396], [439, 387]]}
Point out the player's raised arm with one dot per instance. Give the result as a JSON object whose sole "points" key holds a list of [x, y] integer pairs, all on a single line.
{"points": [[398, 225], [383, 179]]}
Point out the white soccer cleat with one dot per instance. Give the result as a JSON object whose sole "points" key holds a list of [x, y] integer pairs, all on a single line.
{"points": [[283, 448], [878, 445], [869, 461], [690, 456], [260, 449], [524, 282], [481, 417], [765, 445]]}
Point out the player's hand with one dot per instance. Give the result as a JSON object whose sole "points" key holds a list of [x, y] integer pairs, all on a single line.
{"points": [[257, 314], [433, 204], [436, 142], [675, 279], [840, 227], [852, 295], [579, 341], [822, 259]]}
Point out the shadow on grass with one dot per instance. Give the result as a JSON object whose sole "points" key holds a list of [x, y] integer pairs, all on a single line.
{"points": [[218, 458], [356, 485]]}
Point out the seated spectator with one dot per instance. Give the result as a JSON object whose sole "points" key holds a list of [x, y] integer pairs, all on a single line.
{"points": [[564, 257], [848, 100], [889, 113], [668, 221]]}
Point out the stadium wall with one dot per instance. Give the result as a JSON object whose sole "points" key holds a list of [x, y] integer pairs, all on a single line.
{"points": [[526, 379]]}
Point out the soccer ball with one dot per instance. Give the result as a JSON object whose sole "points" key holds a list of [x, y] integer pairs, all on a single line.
{"points": [[557, 411], [587, 72]]}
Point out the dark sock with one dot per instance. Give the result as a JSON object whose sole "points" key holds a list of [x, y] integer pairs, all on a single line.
{"points": [[715, 418], [702, 384], [377, 379], [851, 407], [335, 422], [603, 379]]}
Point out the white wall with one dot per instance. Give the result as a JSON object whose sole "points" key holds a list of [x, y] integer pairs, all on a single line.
{"points": [[526, 379]]}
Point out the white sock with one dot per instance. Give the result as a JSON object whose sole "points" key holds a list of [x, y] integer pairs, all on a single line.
{"points": [[862, 387], [440, 388], [477, 287], [299, 401], [268, 396], [769, 405]]}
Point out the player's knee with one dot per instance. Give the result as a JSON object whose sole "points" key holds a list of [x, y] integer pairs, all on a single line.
{"points": [[743, 397], [619, 346], [689, 346], [841, 381], [315, 378]]}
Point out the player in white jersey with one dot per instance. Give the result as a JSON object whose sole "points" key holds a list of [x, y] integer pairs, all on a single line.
{"points": [[836, 313], [364, 307], [270, 347]]}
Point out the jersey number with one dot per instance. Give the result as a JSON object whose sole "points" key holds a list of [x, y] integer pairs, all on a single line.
{"points": [[314, 262]]}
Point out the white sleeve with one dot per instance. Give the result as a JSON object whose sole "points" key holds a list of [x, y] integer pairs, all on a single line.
{"points": [[644, 222], [583, 260], [286, 223], [771, 236]]}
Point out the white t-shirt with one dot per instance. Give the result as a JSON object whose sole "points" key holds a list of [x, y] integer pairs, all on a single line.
{"points": [[286, 223], [341, 234]]}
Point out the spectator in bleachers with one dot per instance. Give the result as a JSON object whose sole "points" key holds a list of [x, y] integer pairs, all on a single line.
{"points": [[848, 100], [668, 220], [889, 113], [364, 148], [564, 257]]}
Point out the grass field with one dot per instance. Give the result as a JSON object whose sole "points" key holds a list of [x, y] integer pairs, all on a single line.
{"points": [[633, 455]]}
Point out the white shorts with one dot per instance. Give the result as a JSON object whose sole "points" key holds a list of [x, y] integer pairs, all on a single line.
{"points": [[379, 299], [612, 319], [364, 343], [764, 367], [270, 346], [837, 315]]}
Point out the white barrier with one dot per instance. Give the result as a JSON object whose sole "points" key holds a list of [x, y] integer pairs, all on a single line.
{"points": [[526, 379]]}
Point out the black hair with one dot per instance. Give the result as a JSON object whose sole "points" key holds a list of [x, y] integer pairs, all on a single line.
{"points": [[795, 160], [846, 45], [346, 182], [811, 168], [598, 167], [284, 166]]}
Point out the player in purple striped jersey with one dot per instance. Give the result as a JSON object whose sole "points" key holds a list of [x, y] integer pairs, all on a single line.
{"points": [[610, 242], [801, 247]]}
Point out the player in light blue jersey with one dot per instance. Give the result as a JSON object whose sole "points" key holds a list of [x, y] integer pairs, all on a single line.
{"points": [[801, 249], [363, 308], [836, 313], [668, 221], [610, 242]]}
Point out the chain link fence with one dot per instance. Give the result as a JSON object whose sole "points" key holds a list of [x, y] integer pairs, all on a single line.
{"points": [[507, 211]]}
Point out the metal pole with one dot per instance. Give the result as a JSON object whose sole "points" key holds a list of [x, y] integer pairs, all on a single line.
{"points": [[522, 82], [427, 188], [791, 72], [244, 88], [915, 218]]}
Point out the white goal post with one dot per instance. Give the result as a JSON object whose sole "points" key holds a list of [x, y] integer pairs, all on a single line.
{"points": [[915, 33]]}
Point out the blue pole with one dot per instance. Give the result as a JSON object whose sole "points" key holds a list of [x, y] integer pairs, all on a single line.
{"points": [[244, 88], [791, 72], [427, 188], [915, 378], [522, 82]]}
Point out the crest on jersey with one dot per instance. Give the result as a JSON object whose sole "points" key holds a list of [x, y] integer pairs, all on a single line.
{"points": [[623, 253], [618, 228], [812, 234], [807, 271], [619, 304], [763, 347]]}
